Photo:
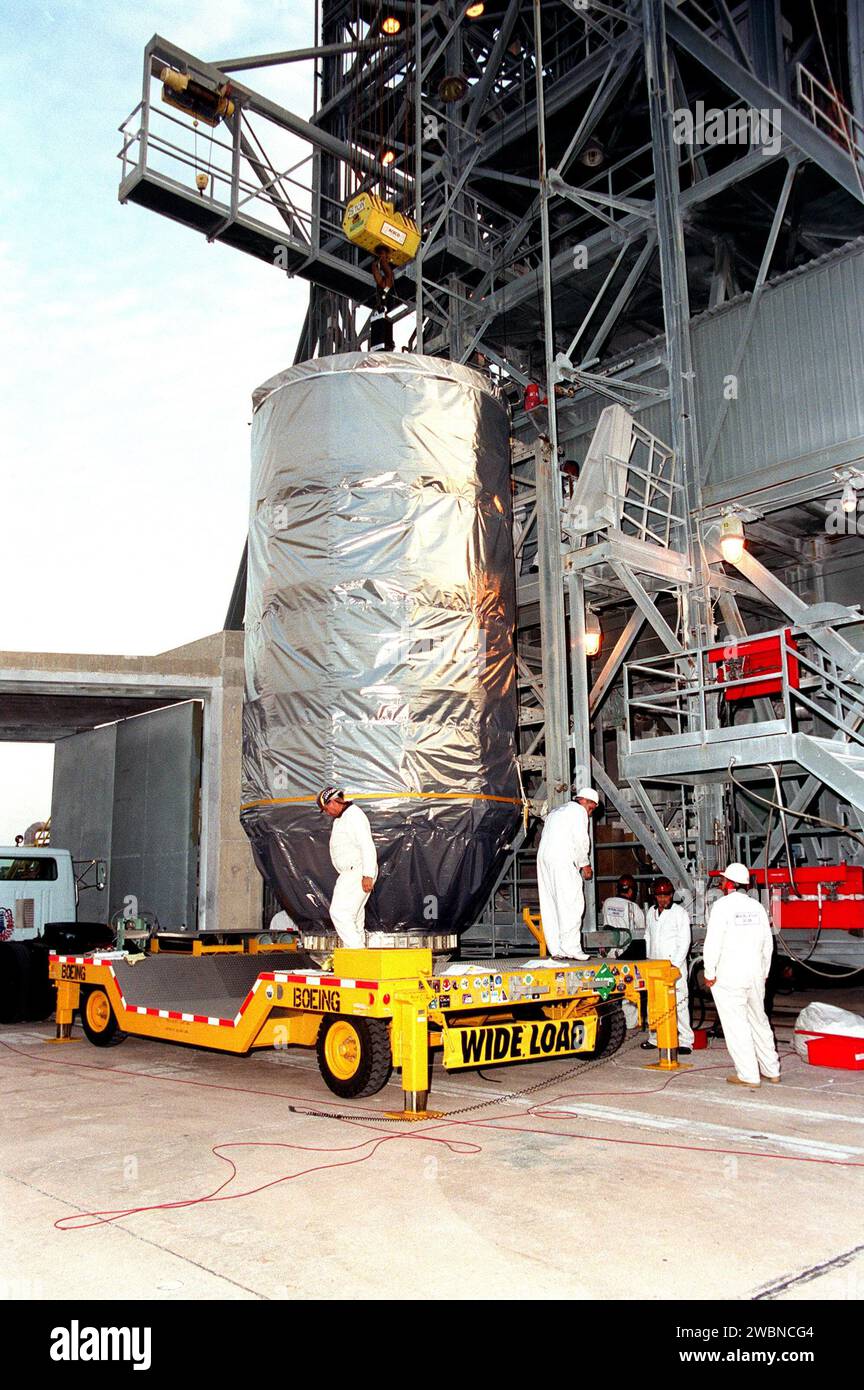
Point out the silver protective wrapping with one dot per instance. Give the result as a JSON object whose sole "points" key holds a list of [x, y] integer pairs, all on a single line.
{"points": [[380, 618]]}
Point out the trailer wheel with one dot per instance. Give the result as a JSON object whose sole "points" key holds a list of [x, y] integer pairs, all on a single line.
{"points": [[611, 1032], [98, 1019], [354, 1055]]}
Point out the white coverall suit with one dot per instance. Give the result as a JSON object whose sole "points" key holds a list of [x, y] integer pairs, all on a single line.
{"points": [[352, 851], [667, 937], [737, 956], [565, 849], [622, 914]]}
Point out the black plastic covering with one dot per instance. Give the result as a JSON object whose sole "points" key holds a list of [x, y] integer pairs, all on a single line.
{"points": [[380, 616]]}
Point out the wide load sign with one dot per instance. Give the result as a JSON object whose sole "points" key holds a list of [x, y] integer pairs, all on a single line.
{"points": [[490, 1044]]}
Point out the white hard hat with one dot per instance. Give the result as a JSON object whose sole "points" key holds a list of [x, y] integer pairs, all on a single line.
{"points": [[737, 873], [588, 794], [328, 794]]}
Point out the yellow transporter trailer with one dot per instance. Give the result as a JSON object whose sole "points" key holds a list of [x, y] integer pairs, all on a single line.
{"points": [[375, 1011]]}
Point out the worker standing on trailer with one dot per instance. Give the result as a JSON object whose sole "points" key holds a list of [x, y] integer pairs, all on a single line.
{"points": [[352, 851], [667, 937], [563, 863], [737, 958]]}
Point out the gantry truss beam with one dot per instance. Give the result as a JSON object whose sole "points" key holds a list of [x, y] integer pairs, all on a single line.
{"points": [[564, 226]]}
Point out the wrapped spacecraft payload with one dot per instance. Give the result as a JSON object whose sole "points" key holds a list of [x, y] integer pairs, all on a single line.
{"points": [[380, 615]]}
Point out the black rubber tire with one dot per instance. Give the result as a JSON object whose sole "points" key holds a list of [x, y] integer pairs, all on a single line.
{"points": [[611, 1032], [374, 1059], [77, 938], [107, 1036], [14, 981], [41, 996]]}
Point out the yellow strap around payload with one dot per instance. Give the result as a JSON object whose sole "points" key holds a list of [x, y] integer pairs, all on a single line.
{"points": [[389, 796]]}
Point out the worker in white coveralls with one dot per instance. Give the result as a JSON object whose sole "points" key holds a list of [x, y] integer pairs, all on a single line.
{"points": [[622, 912], [737, 958], [563, 863], [352, 851], [667, 937]]}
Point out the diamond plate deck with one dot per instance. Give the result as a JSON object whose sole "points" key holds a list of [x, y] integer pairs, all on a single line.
{"points": [[212, 985]]}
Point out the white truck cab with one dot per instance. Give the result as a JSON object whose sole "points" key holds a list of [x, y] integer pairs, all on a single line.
{"points": [[38, 889], [36, 886]]}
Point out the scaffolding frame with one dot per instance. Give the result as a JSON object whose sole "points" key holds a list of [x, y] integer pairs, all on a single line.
{"points": [[541, 248]]}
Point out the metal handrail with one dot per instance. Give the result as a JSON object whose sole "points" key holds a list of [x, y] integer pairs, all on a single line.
{"points": [[696, 687], [255, 195], [836, 723], [850, 132], [159, 143]]}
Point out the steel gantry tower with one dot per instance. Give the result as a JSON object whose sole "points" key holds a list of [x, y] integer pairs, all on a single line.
{"points": [[619, 203]]}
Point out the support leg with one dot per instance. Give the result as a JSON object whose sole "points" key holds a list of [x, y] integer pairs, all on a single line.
{"points": [[411, 1026], [663, 1011], [68, 996]]}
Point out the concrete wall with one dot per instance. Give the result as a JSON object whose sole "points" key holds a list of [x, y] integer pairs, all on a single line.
{"points": [[209, 670], [240, 886]]}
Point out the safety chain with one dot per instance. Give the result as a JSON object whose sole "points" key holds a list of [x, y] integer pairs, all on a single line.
{"points": [[579, 1069], [334, 1115]]}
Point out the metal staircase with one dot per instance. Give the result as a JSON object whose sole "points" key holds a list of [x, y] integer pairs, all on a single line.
{"points": [[839, 765]]}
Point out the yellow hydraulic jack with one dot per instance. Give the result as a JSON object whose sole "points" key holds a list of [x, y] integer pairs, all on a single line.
{"points": [[660, 977], [68, 993], [410, 1033]]}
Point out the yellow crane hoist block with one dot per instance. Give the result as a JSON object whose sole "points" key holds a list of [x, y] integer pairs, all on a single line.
{"points": [[194, 99], [371, 222]]}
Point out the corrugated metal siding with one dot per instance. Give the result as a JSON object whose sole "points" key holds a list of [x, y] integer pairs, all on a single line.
{"points": [[82, 806], [129, 794], [801, 382], [154, 847]]}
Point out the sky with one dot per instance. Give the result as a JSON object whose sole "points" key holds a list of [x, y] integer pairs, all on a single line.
{"points": [[133, 347]]}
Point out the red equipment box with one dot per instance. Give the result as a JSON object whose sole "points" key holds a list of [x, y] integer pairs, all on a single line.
{"points": [[747, 661], [831, 897], [835, 1050]]}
